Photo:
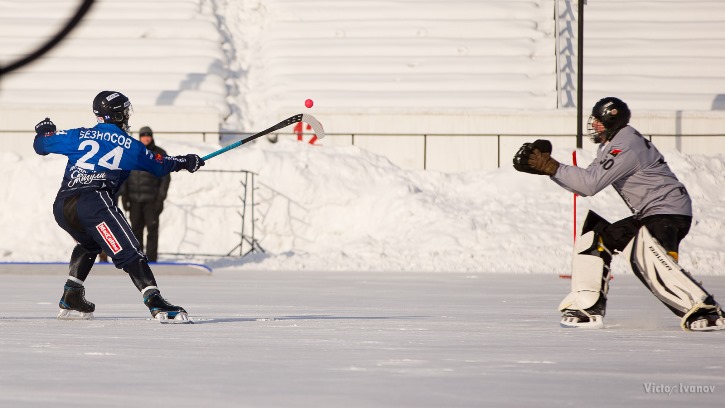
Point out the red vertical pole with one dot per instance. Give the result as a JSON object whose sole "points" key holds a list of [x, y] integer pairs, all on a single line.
{"points": [[573, 159]]}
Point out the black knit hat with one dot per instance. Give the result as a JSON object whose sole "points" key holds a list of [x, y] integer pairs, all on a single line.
{"points": [[146, 131]]}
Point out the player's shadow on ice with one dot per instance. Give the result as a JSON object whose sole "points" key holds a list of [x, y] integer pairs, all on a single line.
{"points": [[202, 320]]}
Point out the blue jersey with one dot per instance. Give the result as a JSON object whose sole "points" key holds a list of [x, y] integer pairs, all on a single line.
{"points": [[101, 158]]}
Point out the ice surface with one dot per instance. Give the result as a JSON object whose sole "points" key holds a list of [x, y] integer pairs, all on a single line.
{"points": [[367, 339]]}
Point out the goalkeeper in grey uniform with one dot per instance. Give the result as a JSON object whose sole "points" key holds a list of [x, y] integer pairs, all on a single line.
{"points": [[662, 214]]}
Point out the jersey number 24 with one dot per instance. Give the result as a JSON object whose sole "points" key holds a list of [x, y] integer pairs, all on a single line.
{"points": [[110, 160]]}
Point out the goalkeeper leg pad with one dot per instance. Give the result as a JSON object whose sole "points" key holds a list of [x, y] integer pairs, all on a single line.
{"points": [[590, 274], [671, 284]]}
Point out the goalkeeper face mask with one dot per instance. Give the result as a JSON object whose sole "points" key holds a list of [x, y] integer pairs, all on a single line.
{"points": [[596, 129]]}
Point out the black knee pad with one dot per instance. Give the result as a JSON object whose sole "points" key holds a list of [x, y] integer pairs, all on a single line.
{"points": [[81, 262], [140, 274]]}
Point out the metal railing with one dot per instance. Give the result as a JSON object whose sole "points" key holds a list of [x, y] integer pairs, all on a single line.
{"points": [[246, 214], [230, 137], [497, 136]]}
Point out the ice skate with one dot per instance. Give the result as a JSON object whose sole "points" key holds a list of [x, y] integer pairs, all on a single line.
{"points": [[706, 317], [164, 311], [591, 318], [710, 322], [74, 306], [581, 319]]}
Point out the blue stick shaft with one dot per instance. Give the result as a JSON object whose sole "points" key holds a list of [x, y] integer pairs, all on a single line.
{"points": [[280, 125], [225, 149]]}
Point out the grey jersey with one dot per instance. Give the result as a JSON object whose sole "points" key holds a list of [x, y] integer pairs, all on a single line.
{"points": [[636, 169]]}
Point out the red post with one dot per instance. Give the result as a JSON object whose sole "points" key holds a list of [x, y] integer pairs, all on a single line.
{"points": [[573, 159]]}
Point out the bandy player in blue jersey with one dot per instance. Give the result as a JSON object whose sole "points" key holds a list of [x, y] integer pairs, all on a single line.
{"points": [[661, 218], [99, 161]]}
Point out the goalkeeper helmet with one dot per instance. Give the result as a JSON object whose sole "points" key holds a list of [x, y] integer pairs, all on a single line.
{"points": [[608, 116]]}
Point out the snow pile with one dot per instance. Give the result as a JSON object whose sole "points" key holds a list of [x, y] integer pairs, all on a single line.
{"points": [[342, 208]]}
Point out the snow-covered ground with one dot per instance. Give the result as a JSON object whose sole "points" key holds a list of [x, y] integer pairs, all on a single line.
{"points": [[344, 209]]}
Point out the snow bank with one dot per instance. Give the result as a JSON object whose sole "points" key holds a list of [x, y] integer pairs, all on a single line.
{"points": [[342, 208]]}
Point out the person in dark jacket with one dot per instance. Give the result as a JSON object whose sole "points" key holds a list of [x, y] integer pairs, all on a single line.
{"points": [[143, 195]]}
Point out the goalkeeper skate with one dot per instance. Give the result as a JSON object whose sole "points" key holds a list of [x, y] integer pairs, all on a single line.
{"points": [[73, 305], [705, 317], [590, 318], [164, 311]]}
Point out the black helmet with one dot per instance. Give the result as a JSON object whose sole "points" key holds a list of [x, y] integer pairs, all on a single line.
{"points": [[113, 107], [613, 113]]}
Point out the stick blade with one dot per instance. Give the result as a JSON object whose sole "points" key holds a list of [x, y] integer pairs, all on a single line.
{"points": [[316, 125]]}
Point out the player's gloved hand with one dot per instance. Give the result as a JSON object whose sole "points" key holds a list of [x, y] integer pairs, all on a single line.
{"points": [[535, 158], [189, 162], [543, 145], [45, 127], [540, 159], [521, 159]]}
